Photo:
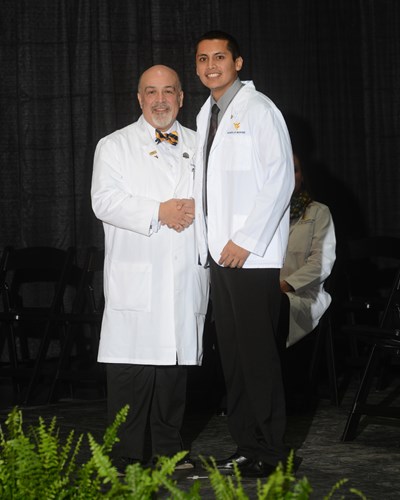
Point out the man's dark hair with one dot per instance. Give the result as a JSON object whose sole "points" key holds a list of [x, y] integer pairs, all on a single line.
{"points": [[233, 46]]}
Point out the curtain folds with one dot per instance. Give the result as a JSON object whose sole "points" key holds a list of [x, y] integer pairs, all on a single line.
{"points": [[69, 72]]}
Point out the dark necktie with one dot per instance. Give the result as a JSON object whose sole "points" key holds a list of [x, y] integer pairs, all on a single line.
{"points": [[212, 129], [172, 137], [211, 134]]}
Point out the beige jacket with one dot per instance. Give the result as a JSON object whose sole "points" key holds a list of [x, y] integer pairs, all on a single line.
{"points": [[309, 261]]}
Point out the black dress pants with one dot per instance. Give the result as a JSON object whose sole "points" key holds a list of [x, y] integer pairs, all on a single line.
{"points": [[156, 396], [246, 306]]}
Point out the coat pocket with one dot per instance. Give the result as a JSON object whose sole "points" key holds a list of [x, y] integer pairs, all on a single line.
{"points": [[237, 152], [130, 286]]}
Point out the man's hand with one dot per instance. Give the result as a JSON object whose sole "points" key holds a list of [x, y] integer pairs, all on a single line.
{"points": [[285, 287], [233, 255], [176, 213]]}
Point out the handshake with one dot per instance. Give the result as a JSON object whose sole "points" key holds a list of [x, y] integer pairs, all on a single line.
{"points": [[177, 214]]}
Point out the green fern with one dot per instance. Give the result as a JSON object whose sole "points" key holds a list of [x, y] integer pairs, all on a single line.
{"points": [[280, 485], [161, 475], [225, 487], [37, 465], [358, 493], [339, 485], [33, 463]]}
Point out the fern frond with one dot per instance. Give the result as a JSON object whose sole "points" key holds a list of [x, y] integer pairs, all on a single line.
{"points": [[224, 486], [47, 444], [101, 462], [110, 436], [301, 489], [358, 493], [335, 487]]}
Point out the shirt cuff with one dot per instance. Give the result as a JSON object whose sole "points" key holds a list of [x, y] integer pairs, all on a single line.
{"points": [[155, 223]]}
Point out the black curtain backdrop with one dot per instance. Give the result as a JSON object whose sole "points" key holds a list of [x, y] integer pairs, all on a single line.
{"points": [[69, 72]]}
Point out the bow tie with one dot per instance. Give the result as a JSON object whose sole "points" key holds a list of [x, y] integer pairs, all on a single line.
{"points": [[172, 138]]}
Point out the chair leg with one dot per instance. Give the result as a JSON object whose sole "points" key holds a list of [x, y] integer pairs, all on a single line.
{"points": [[355, 414], [38, 365], [312, 372], [12, 352], [330, 360], [324, 339], [2, 340], [65, 353]]}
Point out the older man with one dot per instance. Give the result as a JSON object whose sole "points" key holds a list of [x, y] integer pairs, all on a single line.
{"points": [[156, 293]]}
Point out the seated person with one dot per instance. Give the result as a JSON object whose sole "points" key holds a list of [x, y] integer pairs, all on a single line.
{"points": [[309, 261]]}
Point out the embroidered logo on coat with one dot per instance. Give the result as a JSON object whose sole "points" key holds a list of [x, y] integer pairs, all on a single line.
{"points": [[234, 128]]}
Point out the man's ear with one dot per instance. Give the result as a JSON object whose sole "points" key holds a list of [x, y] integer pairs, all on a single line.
{"points": [[181, 98], [139, 99], [238, 63]]}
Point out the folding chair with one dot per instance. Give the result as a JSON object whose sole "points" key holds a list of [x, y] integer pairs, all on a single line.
{"points": [[369, 266], [383, 339], [82, 328], [368, 269], [32, 284], [324, 342], [302, 362]]}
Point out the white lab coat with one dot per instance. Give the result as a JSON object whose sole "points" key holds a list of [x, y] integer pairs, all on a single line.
{"points": [[249, 181], [309, 261], [156, 294]]}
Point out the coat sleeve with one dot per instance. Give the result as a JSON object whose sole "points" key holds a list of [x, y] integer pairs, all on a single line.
{"points": [[112, 200], [319, 262], [274, 173]]}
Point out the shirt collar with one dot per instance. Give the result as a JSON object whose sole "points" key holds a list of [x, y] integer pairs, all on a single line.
{"points": [[226, 98]]}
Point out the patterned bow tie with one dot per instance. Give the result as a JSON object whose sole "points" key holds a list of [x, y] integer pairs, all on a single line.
{"points": [[172, 137]]}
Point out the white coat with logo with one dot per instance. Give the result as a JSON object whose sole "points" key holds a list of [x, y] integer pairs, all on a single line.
{"points": [[156, 294], [249, 180]]}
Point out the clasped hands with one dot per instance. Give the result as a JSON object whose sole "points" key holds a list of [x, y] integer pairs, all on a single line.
{"points": [[177, 214]]}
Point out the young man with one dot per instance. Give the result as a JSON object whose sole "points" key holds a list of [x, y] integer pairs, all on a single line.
{"points": [[243, 184], [156, 293]]}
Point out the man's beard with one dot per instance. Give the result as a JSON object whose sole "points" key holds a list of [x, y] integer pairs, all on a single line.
{"points": [[163, 120]]}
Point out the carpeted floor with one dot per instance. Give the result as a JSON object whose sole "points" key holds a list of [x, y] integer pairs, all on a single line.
{"points": [[371, 462]]}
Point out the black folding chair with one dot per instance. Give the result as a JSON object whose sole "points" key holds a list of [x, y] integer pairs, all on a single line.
{"points": [[384, 341], [82, 330], [367, 270], [32, 285]]}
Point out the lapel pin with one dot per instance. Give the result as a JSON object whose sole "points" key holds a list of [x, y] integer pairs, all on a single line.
{"points": [[185, 155]]}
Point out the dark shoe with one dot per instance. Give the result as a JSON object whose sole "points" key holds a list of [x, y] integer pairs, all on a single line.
{"points": [[121, 463], [185, 464], [297, 462], [227, 463], [256, 468]]}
